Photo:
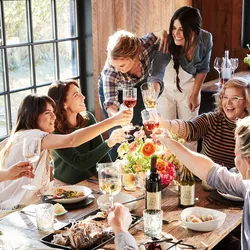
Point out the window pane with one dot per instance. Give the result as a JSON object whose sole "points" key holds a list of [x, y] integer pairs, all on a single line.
{"points": [[15, 21], [19, 67], [66, 18], [3, 123], [42, 20], [44, 63], [15, 101], [68, 59], [1, 71], [43, 90]]}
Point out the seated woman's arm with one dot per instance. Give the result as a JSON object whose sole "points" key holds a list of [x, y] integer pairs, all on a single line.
{"points": [[189, 130], [80, 136], [191, 159]]}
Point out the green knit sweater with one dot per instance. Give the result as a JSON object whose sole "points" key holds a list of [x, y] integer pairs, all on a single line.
{"points": [[72, 165]]}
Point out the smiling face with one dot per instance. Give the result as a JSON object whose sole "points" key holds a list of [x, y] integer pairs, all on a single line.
{"points": [[177, 33], [234, 103], [74, 100], [122, 64], [46, 120]]}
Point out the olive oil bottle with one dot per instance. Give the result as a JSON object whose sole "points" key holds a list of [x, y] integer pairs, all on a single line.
{"points": [[186, 188]]}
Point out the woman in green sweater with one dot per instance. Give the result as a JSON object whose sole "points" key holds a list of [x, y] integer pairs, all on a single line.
{"points": [[72, 165]]}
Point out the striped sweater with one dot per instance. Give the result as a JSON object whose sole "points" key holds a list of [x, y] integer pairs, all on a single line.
{"points": [[217, 133]]}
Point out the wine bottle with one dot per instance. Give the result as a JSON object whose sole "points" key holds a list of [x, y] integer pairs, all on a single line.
{"points": [[153, 187], [226, 72], [186, 188]]}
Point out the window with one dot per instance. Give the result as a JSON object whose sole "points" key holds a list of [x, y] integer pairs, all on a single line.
{"points": [[38, 45]]}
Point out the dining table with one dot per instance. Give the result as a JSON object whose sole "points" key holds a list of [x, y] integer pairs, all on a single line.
{"points": [[18, 230]]}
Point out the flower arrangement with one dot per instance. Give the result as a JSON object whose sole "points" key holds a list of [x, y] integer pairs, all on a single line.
{"points": [[136, 157], [247, 58]]}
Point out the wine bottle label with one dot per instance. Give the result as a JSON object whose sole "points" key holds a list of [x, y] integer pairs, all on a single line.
{"points": [[226, 73], [187, 195], [154, 200]]}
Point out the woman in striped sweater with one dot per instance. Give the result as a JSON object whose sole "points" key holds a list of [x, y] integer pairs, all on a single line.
{"points": [[217, 128]]}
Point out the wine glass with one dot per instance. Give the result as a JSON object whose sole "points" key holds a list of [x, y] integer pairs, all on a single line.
{"points": [[109, 175], [234, 64], [150, 119], [148, 95], [31, 153], [218, 65], [129, 101]]}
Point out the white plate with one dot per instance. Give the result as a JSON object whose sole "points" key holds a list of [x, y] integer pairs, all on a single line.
{"points": [[206, 226], [103, 201], [87, 191], [230, 197]]}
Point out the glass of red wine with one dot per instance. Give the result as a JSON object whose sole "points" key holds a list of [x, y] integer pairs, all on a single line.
{"points": [[129, 101], [150, 119]]}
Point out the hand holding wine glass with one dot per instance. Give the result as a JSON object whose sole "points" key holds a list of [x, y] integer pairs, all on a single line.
{"points": [[129, 100], [150, 119], [31, 153], [109, 176]]}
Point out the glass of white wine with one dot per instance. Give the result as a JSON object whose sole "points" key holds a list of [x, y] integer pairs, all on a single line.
{"points": [[31, 153], [109, 175], [149, 95]]}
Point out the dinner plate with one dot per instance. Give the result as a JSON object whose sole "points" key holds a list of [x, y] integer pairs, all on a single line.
{"points": [[230, 197], [83, 203], [87, 191]]}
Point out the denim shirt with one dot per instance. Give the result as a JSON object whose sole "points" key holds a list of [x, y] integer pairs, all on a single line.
{"points": [[199, 63]]}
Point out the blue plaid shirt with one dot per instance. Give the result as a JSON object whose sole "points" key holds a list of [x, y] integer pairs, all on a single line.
{"points": [[114, 80]]}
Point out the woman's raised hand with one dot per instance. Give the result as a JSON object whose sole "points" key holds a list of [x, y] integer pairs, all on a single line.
{"points": [[117, 136], [123, 117], [162, 38]]}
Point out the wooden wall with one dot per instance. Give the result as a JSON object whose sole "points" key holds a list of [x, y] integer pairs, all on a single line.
{"points": [[137, 16], [223, 19]]}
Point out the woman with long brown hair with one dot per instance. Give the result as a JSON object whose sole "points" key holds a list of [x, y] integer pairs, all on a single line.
{"points": [[72, 165]]}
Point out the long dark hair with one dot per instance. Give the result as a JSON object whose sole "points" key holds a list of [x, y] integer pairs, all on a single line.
{"points": [[29, 110], [190, 20], [58, 92]]}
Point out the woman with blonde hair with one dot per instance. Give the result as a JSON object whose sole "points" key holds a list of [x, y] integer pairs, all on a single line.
{"points": [[36, 119], [217, 128], [127, 66]]}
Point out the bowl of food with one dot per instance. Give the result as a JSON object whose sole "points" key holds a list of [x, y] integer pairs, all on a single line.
{"points": [[104, 204], [202, 219], [70, 194]]}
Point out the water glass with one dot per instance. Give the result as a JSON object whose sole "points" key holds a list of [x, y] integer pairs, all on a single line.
{"points": [[152, 220], [45, 217]]}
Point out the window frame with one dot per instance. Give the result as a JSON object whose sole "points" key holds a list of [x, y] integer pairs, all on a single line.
{"points": [[79, 7]]}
